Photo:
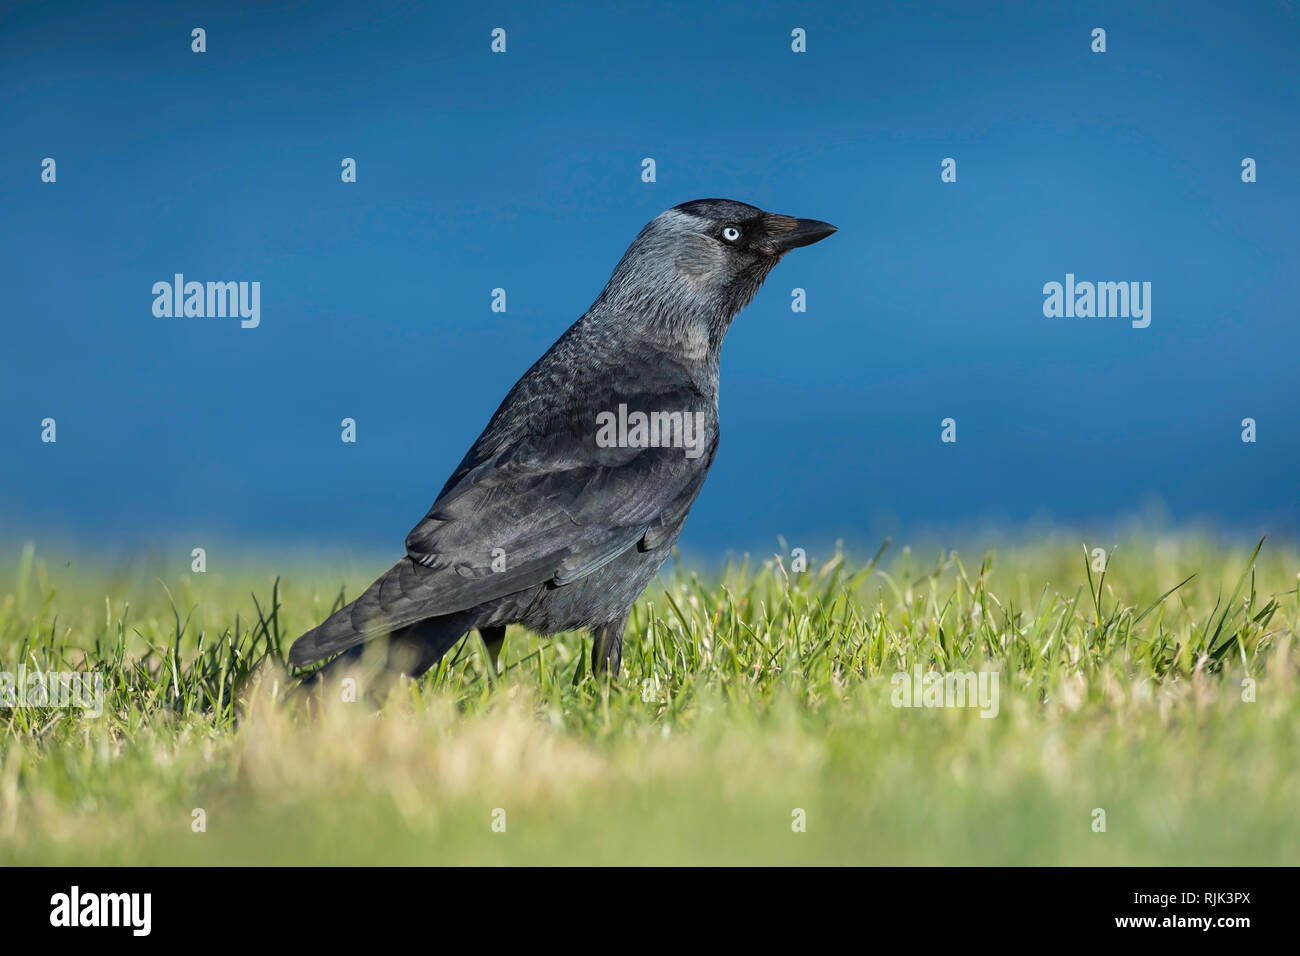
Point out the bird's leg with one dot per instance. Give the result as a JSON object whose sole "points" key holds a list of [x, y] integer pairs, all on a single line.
{"points": [[493, 638], [607, 647]]}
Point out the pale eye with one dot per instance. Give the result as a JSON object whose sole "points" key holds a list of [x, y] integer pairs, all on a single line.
{"points": [[731, 233]]}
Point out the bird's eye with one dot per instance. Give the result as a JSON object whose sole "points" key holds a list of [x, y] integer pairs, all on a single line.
{"points": [[731, 233]]}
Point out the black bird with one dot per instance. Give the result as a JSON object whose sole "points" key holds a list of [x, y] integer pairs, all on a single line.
{"points": [[568, 503]]}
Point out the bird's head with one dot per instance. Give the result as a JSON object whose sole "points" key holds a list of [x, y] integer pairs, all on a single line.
{"points": [[704, 261]]}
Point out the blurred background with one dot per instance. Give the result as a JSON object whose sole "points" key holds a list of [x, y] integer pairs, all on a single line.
{"points": [[523, 171]]}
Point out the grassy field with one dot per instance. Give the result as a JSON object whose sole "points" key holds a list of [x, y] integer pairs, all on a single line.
{"points": [[755, 720]]}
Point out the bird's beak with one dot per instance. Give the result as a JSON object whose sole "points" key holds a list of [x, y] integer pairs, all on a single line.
{"points": [[785, 233]]}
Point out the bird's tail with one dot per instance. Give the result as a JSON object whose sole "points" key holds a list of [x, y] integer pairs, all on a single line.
{"points": [[336, 633], [412, 646], [411, 651]]}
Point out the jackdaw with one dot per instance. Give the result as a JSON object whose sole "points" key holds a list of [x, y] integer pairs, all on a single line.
{"points": [[569, 502]]}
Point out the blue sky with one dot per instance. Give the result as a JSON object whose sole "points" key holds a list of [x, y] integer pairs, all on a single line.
{"points": [[522, 171]]}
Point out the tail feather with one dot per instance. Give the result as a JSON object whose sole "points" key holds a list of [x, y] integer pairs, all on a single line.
{"points": [[336, 633], [413, 648]]}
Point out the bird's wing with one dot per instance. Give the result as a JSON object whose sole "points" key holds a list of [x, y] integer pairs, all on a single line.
{"points": [[549, 506], [663, 529]]}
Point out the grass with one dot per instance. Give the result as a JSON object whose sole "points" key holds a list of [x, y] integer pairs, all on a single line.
{"points": [[1162, 692]]}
